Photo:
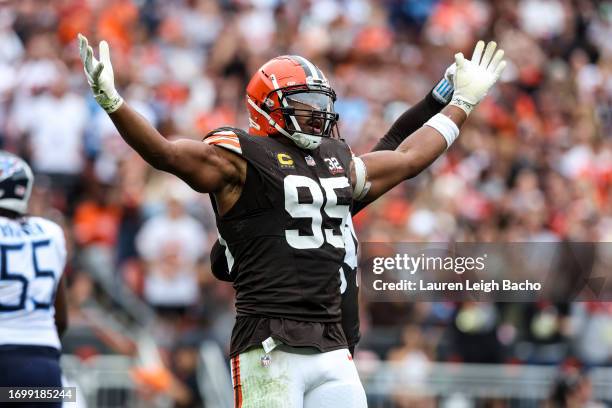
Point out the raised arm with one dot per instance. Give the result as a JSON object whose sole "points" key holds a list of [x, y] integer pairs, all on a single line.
{"points": [[386, 169], [377, 172], [204, 167], [416, 116], [412, 119]]}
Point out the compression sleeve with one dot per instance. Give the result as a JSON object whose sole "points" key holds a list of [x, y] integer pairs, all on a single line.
{"points": [[404, 126]]}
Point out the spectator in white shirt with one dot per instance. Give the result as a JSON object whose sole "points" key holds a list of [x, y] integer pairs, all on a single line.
{"points": [[171, 244], [54, 123]]}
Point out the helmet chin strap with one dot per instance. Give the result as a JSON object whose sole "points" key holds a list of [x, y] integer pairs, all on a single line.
{"points": [[305, 141], [302, 140]]}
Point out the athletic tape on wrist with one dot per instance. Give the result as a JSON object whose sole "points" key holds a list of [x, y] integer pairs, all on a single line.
{"points": [[110, 103], [462, 104], [445, 126]]}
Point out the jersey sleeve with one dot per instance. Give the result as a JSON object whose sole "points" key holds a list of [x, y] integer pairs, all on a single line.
{"points": [[225, 138]]}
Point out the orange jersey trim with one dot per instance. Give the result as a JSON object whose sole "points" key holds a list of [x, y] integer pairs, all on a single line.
{"points": [[225, 139]]}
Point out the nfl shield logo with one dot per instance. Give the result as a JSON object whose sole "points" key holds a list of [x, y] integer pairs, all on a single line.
{"points": [[266, 360], [310, 161]]}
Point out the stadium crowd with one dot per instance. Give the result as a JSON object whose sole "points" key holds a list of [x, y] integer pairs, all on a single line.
{"points": [[534, 163]]}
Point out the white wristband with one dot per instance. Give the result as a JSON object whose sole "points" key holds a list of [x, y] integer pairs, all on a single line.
{"points": [[445, 126]]}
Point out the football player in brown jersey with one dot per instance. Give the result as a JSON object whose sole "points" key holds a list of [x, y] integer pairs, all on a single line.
{"points": [[409, 121]]}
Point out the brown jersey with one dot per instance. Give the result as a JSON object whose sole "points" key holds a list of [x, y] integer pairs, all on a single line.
{"points": [[286, 240]]}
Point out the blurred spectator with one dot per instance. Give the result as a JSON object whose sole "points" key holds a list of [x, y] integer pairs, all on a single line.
{"points": [[594, 321], [547, 328], [572, 389], [171, 244], [96, 224], [53, 120], [184, 363], [473, 334], [90, 332], [413, 361]]}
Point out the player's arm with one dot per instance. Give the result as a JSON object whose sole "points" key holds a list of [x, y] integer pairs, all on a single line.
{"points": [[416, 116], [386, 169], [61, 308], [412, 119], [377, 172], [204, 167]]}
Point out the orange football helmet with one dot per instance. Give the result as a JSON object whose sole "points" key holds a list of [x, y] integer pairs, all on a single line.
{"points": [[289, 95]]}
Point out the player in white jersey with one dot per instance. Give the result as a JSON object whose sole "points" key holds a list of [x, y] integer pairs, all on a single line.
{"points": [[32, 293]]}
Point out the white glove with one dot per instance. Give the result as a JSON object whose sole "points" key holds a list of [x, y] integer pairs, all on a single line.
{"points": [[474, 78], [100, 75]]}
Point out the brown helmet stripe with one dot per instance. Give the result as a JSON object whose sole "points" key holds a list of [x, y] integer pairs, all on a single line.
{"points": [[309, 68]]}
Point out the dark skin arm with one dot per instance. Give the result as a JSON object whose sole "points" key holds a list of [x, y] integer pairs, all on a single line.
{"points": [[205, 168], [386, 169], [61, 308], [408, 122]]}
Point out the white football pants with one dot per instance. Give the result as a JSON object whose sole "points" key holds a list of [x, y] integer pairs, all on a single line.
{"points": [[289, 377]]}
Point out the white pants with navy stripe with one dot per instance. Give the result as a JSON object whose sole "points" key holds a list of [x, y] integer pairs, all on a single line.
{"points": [[290, 377]]}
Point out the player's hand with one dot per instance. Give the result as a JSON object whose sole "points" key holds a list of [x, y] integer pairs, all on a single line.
{"points": [[100, 75], [475, 77]]}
